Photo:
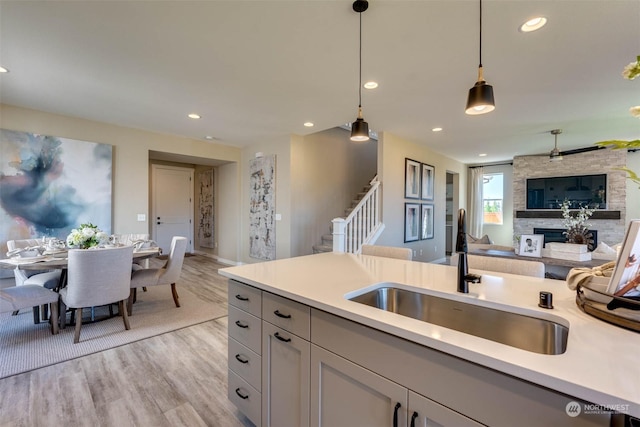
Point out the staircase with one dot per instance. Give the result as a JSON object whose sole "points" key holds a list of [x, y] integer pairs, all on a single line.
{"points": [[361, 224]]}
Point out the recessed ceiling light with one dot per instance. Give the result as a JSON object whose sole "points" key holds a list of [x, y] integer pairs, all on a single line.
{"points": [[533, 24], [194, 116], [436, 129], [3, 70], [482, 155], [308, 124], [208, 137], [370, 85]]}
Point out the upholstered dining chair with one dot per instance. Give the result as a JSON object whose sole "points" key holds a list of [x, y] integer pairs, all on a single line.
{"points": [[167, 275], [96, 277], [49, 279], [387, 252], [130, 239], [15, 298]]}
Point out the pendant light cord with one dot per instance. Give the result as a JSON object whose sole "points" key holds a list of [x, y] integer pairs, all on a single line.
{"points": [[480, 48], [360, 69]]}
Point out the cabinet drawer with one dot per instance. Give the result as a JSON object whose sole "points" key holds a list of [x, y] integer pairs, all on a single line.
{"points": [[286, 314], [245, 363], [245, 297], [246, 398], [245, 328]]}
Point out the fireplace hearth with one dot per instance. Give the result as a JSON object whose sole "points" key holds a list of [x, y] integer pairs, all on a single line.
{"points": [[556, 235]]}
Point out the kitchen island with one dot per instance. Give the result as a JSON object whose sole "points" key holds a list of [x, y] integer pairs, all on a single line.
{"points": [[599, 368]]}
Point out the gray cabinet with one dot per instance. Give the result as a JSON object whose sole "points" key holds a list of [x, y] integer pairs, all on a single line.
{"points": [[285, 378], [290, 365], [285, 362], [345, 394], [244, 350], [424, 412]]}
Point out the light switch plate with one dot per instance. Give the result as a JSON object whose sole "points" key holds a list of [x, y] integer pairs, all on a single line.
{"points": [[278, 217], [142, 217]]}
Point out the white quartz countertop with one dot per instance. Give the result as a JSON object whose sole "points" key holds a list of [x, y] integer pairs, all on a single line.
{"points": [[601, 364]]}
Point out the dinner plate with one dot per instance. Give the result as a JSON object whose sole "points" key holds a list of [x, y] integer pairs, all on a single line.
{"points": [[32, 258]]}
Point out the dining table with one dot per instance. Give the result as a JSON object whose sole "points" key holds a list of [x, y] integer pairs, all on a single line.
{"points": [[58, 261]]}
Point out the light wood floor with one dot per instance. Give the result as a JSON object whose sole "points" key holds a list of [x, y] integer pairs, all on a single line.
{"points": [[175, 379]]}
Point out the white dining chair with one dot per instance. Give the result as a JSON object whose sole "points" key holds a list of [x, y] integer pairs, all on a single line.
{"points": [[167, 275], [96, 277], [387, 252], [49, 279], [15, 298]]}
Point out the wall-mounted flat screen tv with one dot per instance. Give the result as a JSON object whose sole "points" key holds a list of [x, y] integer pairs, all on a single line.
{"points": [[580, 190]]}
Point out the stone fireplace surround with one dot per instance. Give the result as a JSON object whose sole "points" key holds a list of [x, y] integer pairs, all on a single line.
{"points": [[609, 223]]}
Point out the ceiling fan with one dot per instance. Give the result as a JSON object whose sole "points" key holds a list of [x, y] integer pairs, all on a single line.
{"points": [[556, 155]]}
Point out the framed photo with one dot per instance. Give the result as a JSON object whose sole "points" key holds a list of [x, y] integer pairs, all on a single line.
{"points": [[411, 222], [531, 245], [427, 181], [426, 229], [625, 281], [411, 179]]}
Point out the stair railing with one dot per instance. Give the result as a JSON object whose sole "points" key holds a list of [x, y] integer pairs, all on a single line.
{"points": [[362, 225]]}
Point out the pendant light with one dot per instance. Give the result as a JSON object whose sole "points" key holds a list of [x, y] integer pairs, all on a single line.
{"points": [[554, 155], [360, 128], [480, 100]]}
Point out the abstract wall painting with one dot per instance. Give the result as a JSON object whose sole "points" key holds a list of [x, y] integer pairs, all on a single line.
{"points": [[206, 214], [262, 207], [50, 185]]}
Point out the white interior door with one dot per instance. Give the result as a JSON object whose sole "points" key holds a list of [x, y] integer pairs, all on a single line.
{"points": [[172, 205]]}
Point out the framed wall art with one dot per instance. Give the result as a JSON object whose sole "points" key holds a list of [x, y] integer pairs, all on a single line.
{"points": [[427, 181], [531, 245], [411, 179], [625, 281], [426, 222], [262, 208], [411, 222]]}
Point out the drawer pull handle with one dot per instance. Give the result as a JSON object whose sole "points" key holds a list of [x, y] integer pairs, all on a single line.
{"points": [[395, 414], [413, 419], [241, 325], [241, 298], [277, 335], [241, 359], [284, 316], [242, 396]]}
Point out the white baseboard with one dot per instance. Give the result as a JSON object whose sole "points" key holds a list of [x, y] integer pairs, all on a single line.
{"points": [[218, 259]]}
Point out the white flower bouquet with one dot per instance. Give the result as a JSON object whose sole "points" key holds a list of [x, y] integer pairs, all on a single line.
{"points": [[577, 226], [87, 236]]}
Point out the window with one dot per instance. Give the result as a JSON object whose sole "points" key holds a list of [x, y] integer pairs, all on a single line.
{"points": [[492, 195]]}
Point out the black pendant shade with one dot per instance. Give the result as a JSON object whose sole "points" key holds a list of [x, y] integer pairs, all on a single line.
{"points": [[360, 128], [480, 99]]}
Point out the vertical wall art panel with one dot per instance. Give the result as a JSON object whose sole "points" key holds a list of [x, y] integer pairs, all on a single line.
{"points": [[206, 222], [262, 243], [49, 185]]}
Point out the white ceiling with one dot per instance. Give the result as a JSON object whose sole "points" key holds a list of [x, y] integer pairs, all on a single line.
{"points": [[257, 70]]}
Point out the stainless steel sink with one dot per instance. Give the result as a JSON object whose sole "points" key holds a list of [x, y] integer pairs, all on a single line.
{"points": [[513, 329]]}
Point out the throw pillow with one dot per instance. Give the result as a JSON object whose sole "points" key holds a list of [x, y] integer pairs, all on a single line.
{"points": [[480, 240]]}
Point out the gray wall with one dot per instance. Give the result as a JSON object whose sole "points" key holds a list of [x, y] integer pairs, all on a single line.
{"points": [[392, 151], [327, 172]]}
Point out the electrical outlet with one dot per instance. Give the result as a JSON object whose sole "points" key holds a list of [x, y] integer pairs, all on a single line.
{"points": [[420, 252], [414, 252]]}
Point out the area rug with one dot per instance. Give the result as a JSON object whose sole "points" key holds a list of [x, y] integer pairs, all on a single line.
{"points": [[25, 346]]}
